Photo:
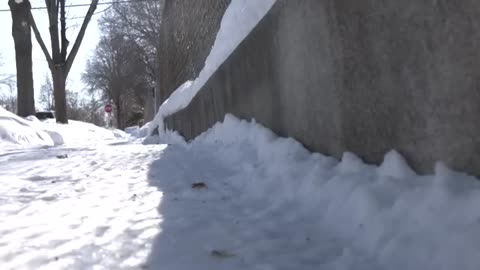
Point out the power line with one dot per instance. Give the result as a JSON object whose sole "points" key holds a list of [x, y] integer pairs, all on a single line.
{"points": [[87, 5], [96, 13]]}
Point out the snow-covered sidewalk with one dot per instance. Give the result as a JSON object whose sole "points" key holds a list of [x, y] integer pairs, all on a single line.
{"points": [[230, 225], [237, 197], [132, 206], [77, 208]]}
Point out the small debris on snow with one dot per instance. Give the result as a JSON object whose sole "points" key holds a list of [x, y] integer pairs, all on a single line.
{"points": [[199, 185], [62, 156], [80, 189], [222, 254]]}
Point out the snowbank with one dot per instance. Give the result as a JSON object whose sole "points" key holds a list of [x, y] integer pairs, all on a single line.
{"points": [[30, 132], [77, 132], [138, 132], [405, 220], [238, 21], [15, 130]]}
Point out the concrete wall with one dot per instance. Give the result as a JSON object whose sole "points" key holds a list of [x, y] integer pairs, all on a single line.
{"points": [[361, 76], [188, 30]]}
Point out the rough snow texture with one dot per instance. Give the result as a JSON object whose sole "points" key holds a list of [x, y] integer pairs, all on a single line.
{"points": [[16, 130], [267, 203], [239, 19], [138, 132], [304, 211], [93, 209], [30, 132]]}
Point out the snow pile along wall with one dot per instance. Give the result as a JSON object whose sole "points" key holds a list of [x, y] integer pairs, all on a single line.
{"points": [[352, 76], [403, 220]]}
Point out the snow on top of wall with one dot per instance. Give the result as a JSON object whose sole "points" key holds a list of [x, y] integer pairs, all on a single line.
{"points": [[238, 21]]}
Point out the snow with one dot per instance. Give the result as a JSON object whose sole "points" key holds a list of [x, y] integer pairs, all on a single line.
{"points": [[79, 196], [354, 215], [138, 132], [30, 132], [16, 130], [266, 203], [239, 19], [77, 132], [82, 212]]}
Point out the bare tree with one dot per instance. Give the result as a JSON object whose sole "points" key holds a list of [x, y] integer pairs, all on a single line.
{"points": [[46, 94], [140, 22], [94, 108], [79, 107], [58, 61], [21, 33], [8, 99], [119, 74]]}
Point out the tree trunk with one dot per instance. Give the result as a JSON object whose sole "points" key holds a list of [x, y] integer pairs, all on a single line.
{"points": [[119, 113], [21, 33], [59, 93]]}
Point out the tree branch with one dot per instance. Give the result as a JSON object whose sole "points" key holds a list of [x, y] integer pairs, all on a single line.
{"points": [[80, 36], [39, 39], [53, 19], [63, 30]]}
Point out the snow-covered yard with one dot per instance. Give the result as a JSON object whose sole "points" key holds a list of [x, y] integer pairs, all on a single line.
{"points": [[237, 197]]}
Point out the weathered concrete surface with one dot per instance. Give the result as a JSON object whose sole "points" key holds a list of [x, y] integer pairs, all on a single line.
{"points": [[360, 76], [188, 31]]}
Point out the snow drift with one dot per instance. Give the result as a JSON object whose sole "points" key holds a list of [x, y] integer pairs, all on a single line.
{"points": [[405, 220], [138, 132], [30, 132], [77, 132], [15, 130]]}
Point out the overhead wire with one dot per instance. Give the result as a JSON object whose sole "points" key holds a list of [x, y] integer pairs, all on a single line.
{"points": [[88, 4]]}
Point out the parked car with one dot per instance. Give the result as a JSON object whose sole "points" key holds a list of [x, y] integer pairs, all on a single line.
{"points": [[45, 115]]}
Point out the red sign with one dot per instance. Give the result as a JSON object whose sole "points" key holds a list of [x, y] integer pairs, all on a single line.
{"points": [[108, 108]]}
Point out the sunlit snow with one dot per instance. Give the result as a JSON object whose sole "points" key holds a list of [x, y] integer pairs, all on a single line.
{"points": [[237, 197]]}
